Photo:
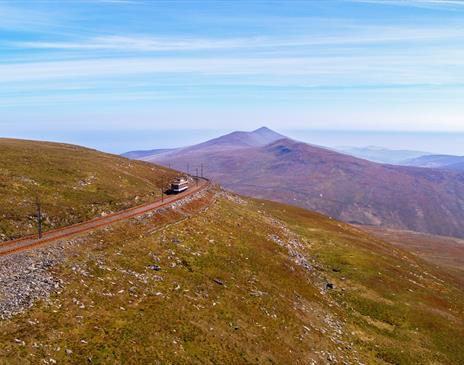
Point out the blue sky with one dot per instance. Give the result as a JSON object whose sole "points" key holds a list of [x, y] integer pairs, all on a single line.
{"points": [[78, 68]]}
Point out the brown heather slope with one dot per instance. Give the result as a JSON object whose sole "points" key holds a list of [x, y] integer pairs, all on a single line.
{"points": [[341, 186], [446, 252], [73, 183], [240, 283]]}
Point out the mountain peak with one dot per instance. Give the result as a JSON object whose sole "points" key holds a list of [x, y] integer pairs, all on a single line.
{"points": [[264, 135], [266, 131], [259, 137], [263, 129], [238, 139]]}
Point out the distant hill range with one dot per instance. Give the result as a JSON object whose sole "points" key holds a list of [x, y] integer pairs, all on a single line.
{"points": [[140, 154], [266, 164], [448, 162], [405, 157], [381, 154]]}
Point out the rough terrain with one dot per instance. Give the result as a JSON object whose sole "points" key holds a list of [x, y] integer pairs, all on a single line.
{"points": [[225, 279], [445, 252]]}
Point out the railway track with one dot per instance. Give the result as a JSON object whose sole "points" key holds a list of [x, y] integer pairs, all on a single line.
{"points": [[30, 242]]}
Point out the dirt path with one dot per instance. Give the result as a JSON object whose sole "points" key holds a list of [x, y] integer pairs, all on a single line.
{"points": [[29, 242]]}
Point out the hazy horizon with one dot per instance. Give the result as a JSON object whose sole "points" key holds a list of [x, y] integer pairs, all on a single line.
{"points": [[119, 142]]}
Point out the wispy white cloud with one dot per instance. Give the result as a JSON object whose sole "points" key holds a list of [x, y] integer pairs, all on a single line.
{"points": [[140, 43], [355, 35], [428, 67], [24, 19], [448, 4], [118, 1]]}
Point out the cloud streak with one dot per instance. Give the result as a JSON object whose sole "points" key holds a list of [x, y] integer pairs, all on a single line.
{"points": [[424, 67], [26, 20], [140, 43], [445, 4], [354, 35]]}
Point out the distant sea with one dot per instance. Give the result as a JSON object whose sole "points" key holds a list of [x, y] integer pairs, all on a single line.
{"points": [[433, 142], [123, 141]]}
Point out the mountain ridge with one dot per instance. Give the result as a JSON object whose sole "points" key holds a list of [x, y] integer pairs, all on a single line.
{"points": [[233, 140], [449, 162], [381, 154], [342, 186]]}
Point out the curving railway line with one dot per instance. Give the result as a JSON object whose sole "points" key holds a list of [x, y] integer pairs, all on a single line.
{"points": [[29, 242]]}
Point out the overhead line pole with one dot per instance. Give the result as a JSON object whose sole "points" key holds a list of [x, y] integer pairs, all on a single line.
{"points": [[162, 190], [39, 216]]}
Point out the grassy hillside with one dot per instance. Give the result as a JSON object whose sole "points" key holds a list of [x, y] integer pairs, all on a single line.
{"points": [[446, 252], [73, 184], [241, 282], [399, 308]]}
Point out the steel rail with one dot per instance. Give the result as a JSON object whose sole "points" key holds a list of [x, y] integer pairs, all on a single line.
{"points": [[29, 242]]}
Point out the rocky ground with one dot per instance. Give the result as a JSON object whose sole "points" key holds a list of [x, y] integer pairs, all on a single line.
{"points": [[28, 276]]}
